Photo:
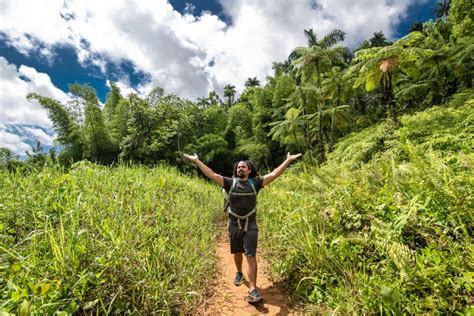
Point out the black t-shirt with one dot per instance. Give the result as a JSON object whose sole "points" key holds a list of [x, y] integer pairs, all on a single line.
{"points": [[243, 204]]}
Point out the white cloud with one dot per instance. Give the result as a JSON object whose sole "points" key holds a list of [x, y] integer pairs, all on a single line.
{"points": [[125, 87], [189, 8], [21, 120], [41, 83], [267, 30], [32, 26], [13, 142], [40, 135], [15, 85], [14, 108], [186, 54]]}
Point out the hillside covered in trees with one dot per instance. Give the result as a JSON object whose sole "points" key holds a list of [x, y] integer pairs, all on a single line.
{"points": [[319, 94], [378, 214]]}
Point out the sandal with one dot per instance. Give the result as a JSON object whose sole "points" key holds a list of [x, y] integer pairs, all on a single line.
{"points": [[254, 297]]}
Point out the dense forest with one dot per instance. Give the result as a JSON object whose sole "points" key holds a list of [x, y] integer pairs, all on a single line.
{"points": [[378, 214], [319, 94]]}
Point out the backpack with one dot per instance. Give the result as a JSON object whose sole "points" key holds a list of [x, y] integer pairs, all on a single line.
{"points": [[227, 208]]}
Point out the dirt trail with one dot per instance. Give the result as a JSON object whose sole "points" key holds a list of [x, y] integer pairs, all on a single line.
{"points": [[230, 299]]}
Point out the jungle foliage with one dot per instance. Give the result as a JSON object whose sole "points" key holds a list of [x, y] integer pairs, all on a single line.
{"points": [[319, 94], [376, 218]]}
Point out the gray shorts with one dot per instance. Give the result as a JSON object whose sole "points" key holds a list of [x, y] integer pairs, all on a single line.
{"points": [[243, 242]]}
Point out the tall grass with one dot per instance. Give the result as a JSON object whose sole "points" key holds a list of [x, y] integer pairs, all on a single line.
{"points": [[105, 240], [388, 232], [386, 226]]}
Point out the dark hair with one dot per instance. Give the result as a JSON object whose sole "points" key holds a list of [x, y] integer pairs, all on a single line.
{"points": [[250, 165]]}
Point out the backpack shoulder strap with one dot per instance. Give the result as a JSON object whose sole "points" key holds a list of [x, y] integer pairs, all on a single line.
{"points": [[232, 187], [252, 185], [227, 194]]}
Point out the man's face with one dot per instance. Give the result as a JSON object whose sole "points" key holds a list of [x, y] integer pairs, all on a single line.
{"points": [[242, 170]]}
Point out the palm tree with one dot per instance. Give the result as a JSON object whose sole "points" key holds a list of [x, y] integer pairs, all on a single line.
{"points": [[378, 40], [334, 87], [434, 75], [203, 102], [442, 9], [312, 62], [462, 55], [329, 40], [416, 27], [311, 37], [252, 82], [229, 93], [286, 130], [214, 98], [281, 67]]}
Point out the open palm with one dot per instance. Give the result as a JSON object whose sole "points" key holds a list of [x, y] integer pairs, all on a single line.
{"points": [[191, 157], [293, 157]]}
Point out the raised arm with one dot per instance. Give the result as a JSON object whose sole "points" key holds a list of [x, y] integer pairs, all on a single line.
{"points": [[279, 170], [205, 169]]}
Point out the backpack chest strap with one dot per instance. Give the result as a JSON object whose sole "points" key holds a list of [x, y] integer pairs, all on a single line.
{"points": [[242, 194], [239, 217]]}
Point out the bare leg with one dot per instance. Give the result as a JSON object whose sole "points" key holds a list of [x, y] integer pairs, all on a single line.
{"points": [[252, 272], [238, 261]]}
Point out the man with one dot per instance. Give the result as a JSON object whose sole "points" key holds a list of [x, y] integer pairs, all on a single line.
{"points": [[243, 231]]}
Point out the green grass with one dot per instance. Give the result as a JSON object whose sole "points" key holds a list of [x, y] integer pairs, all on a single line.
{"points": [[386, 226], [102, 240]]}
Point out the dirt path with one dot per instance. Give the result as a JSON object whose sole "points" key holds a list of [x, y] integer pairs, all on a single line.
{"points": [[230, 299]]}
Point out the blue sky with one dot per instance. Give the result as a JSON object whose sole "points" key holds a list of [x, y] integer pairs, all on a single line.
{"points": [[188, 48]]}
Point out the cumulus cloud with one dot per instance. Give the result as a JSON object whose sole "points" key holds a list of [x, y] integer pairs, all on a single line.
{"points": [[40, 135], [191, 54], [189, 8], [15, 143], [31, 24], [14, 108], [15, 84], [125, 87], [21, 120]]}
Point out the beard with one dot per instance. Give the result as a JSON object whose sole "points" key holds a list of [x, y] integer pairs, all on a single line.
{"points": [[240, 174]]}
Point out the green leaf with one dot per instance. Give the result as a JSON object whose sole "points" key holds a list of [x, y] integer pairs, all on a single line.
{"points": [[18, 294], [372, 81], [91, 304], [292, 114], [24, 309], [43, 287], [358, 82], [71, 308]]}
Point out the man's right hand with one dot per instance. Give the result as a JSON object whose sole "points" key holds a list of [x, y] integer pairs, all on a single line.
{"points": [[193, 158], [291, 157]]}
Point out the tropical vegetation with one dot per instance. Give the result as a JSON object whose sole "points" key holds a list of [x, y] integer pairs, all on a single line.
{"points": [[376, 218]]}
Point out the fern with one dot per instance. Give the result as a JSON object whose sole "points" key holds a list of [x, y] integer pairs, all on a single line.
{"points": [[401, 255]]}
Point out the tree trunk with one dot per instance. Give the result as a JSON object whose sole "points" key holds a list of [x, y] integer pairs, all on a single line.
{"points": [[322, 154], [387, 95], [333, 118], [306, 125]]}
